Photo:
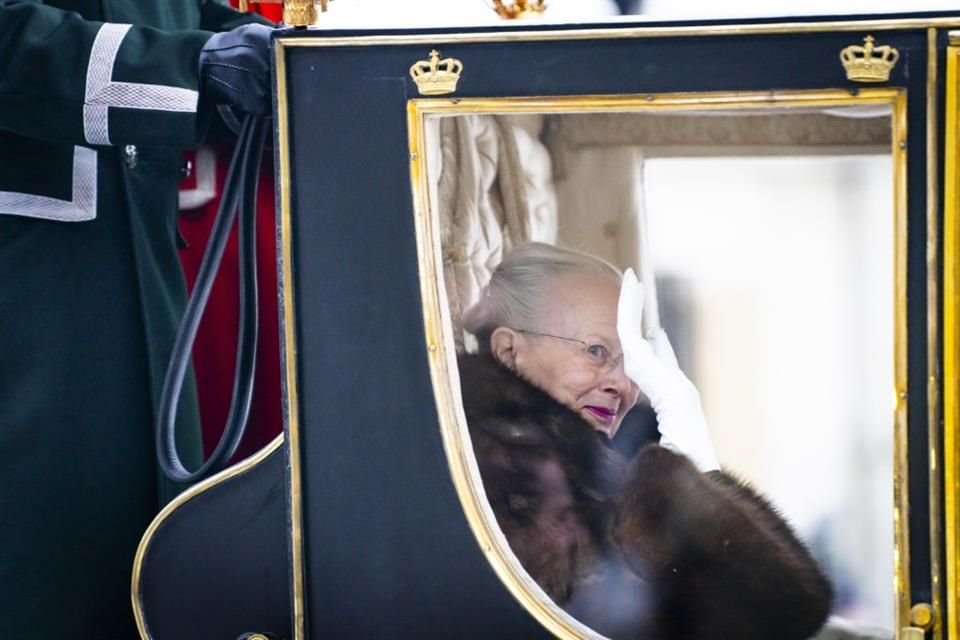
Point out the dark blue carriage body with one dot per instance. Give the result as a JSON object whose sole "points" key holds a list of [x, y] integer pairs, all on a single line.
{"points": [[378, 543]]}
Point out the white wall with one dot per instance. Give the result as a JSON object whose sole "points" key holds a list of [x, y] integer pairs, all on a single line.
{"points": [[684, 9], [423, 13], [427, 13], [788, 266]]}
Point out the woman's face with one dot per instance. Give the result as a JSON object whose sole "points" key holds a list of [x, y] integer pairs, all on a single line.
{"points": [[579, 362]]}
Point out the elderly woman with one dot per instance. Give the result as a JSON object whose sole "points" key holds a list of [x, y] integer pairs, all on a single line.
{"points": [[664, 546]]}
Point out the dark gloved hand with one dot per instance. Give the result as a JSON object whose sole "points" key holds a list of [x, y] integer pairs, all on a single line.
{"points": [[235, 69]]}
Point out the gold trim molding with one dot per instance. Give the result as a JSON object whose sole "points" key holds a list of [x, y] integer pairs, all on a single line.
{"points": [[934, 405], [951, 336], [616, 33], [901, 465], [288, 351]]}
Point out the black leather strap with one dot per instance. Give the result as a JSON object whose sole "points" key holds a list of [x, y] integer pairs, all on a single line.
{"points": [[240, 191]]}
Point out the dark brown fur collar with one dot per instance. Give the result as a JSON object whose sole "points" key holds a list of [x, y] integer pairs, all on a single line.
{"points": [[504, 406], [653, 550]]}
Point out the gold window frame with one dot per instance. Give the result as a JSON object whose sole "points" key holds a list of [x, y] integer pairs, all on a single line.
{"points": [[951, 333], [439, 335]]}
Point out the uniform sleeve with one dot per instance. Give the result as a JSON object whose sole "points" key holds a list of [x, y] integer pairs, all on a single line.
{"points": [[70, 80], [724, 563]]}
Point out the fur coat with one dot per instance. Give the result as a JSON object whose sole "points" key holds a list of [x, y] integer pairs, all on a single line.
{"points": [[645, 549]]}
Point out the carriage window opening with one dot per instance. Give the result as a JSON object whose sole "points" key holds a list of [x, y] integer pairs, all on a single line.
{"points": [[764, 243]]}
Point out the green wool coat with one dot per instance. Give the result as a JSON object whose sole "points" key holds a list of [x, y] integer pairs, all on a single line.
{"points": [[97, 99]]}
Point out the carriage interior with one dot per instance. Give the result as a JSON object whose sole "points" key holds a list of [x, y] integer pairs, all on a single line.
{"points": [[793, 360]]}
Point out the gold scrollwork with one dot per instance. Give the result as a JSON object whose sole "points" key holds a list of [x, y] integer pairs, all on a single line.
{"points": [[296, 13], [300, 13], [518, 8]]}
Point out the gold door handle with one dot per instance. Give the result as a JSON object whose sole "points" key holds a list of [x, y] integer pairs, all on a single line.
{"points": [[921, 616], [922, 619]]}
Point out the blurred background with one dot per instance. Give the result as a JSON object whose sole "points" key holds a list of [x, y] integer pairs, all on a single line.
{"points": [[463, 12], [775, 274]]}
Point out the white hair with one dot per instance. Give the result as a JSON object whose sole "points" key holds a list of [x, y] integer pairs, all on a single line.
{"points": [[514, 295]]}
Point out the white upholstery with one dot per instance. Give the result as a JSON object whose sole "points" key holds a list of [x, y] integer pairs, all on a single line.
{"points": [[493, 189]]}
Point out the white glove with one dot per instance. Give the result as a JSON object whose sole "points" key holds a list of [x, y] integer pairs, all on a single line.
{"points": [[650, 362]]}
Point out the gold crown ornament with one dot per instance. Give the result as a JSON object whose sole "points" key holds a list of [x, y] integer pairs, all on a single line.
{"points": [[514, 9], [436, 77], [869, 63]]}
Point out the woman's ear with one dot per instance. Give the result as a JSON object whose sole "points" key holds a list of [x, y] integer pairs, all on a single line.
{"points": [[504, 343]]}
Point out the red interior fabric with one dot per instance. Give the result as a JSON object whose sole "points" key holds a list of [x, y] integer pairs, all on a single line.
{"points": [[214, 353]]}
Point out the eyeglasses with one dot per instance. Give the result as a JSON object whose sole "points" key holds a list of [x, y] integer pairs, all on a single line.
{"points": [[597, 355]]}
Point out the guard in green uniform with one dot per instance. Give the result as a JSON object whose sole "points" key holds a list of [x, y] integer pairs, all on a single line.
{"points": [[97, 99]]}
